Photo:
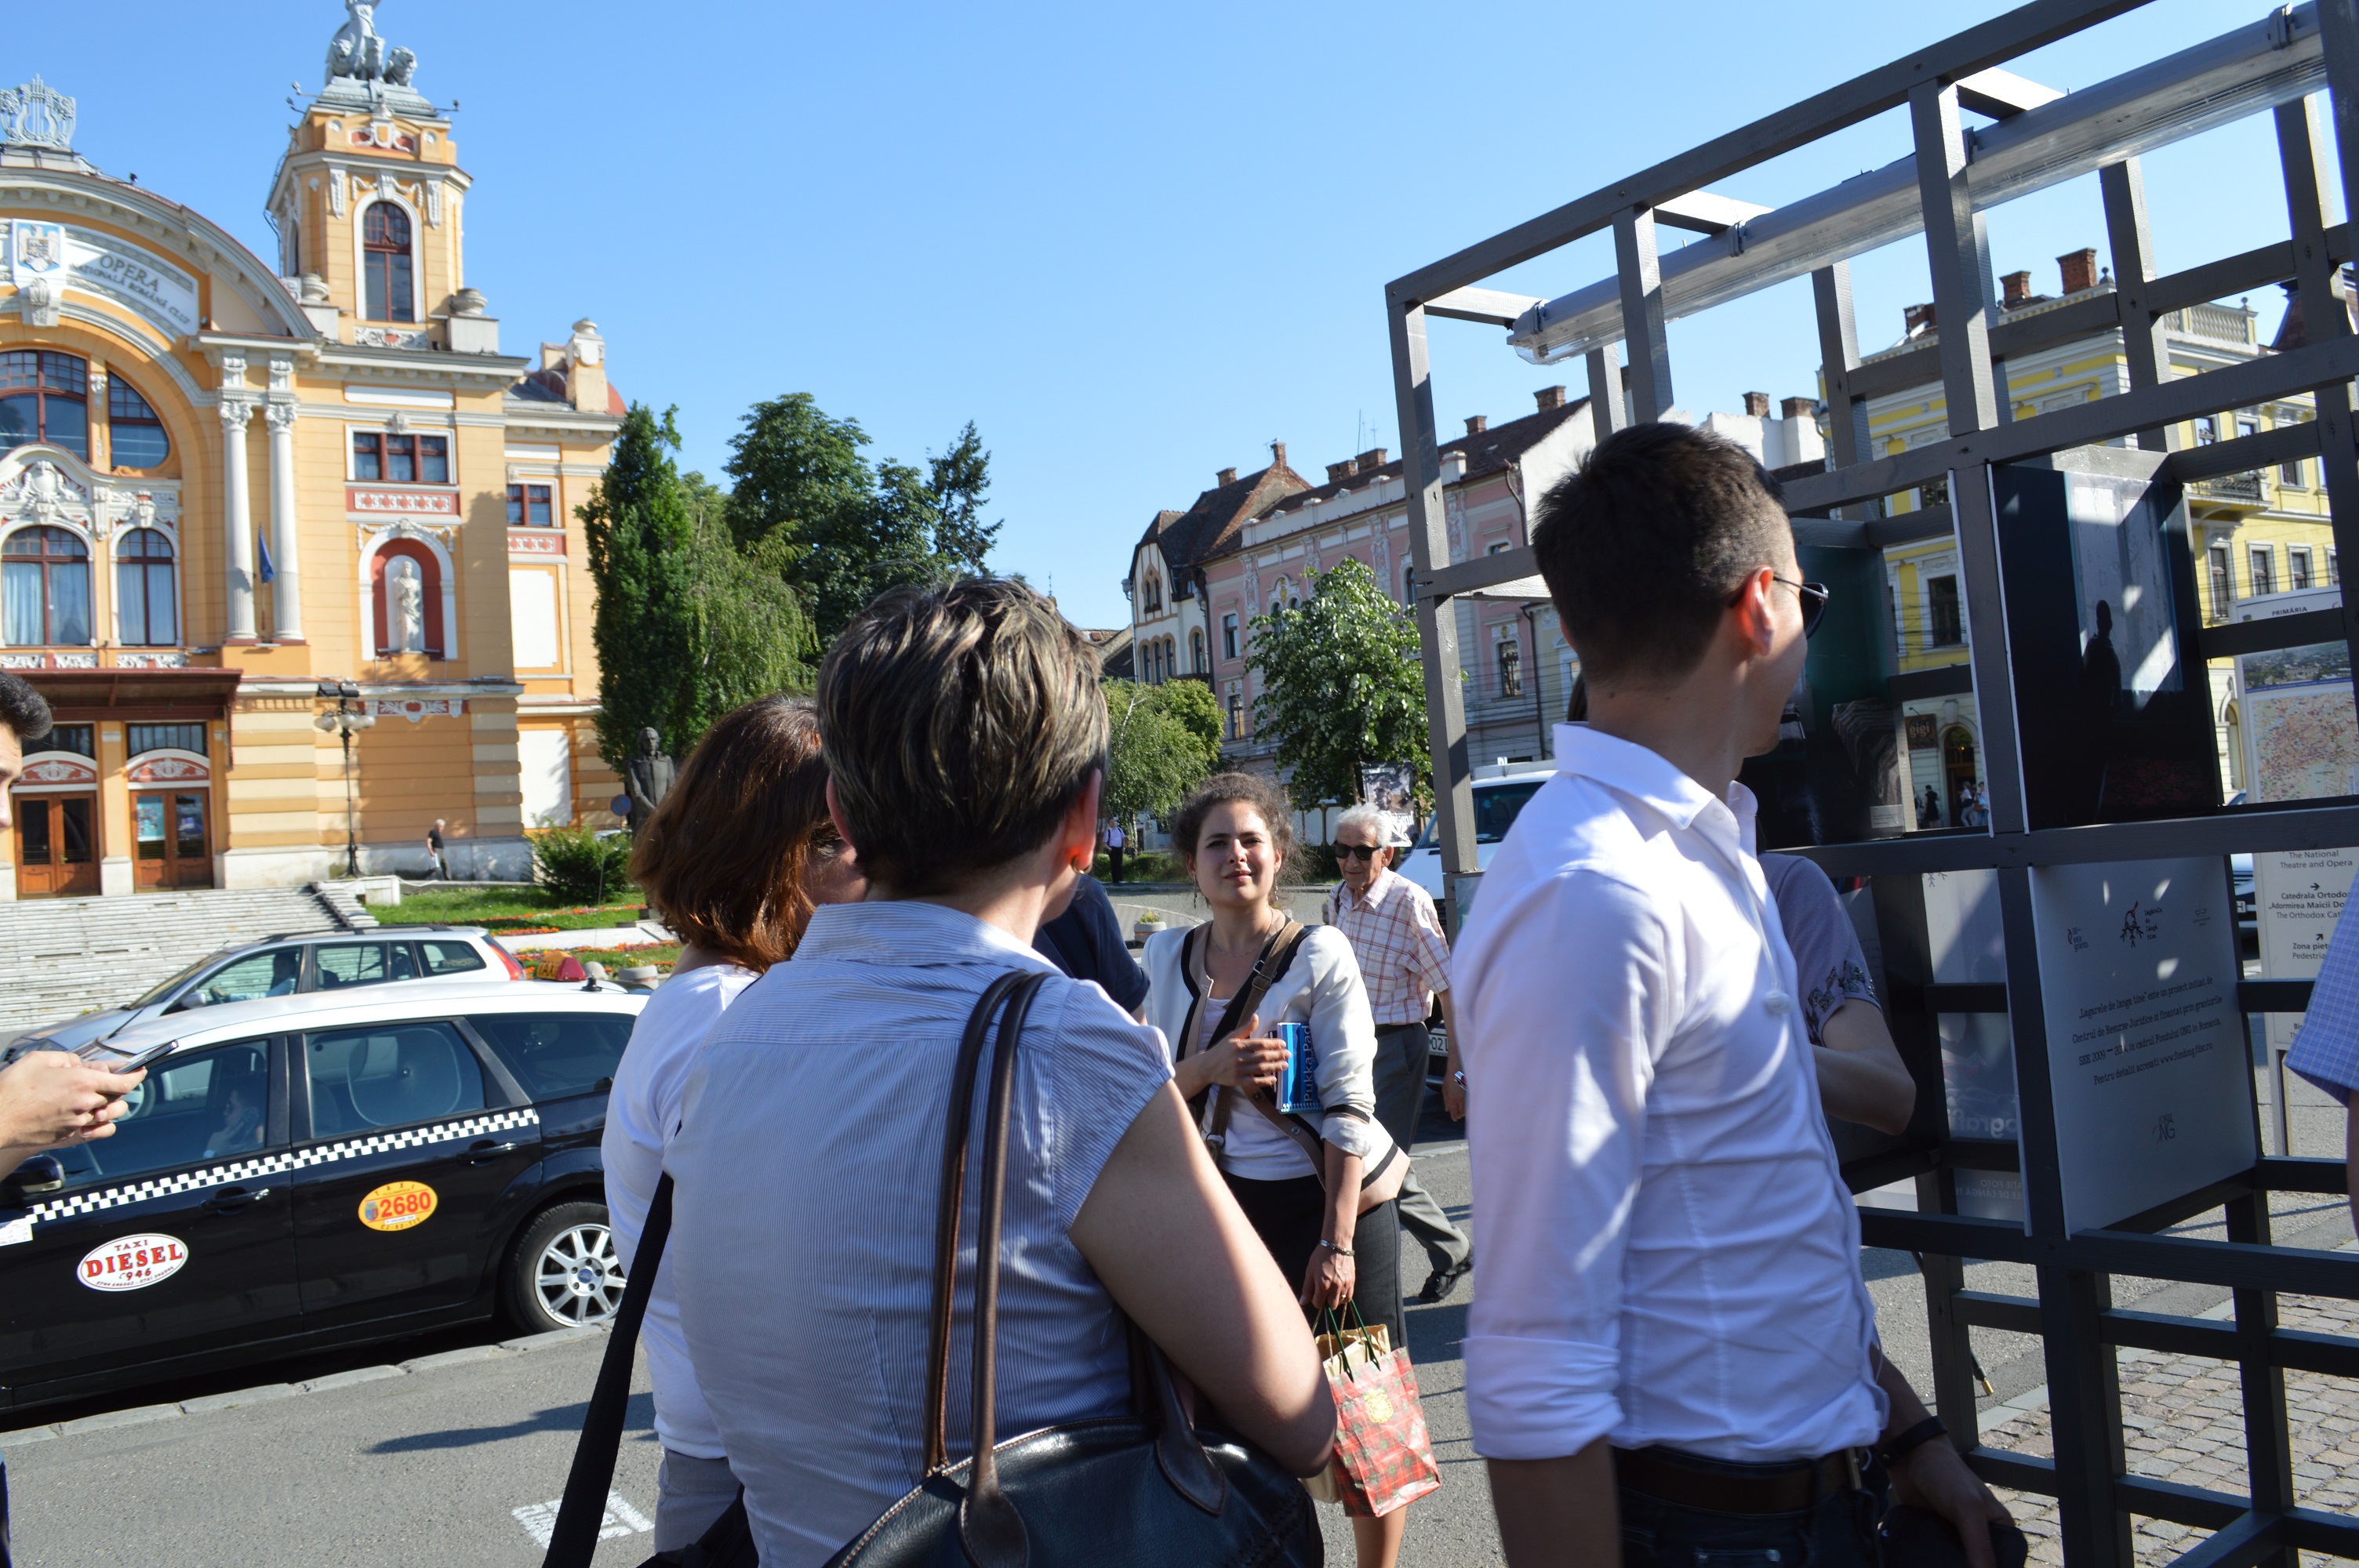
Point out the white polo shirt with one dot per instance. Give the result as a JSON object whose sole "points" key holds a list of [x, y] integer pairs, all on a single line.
{"points": [[1667, 1251]]}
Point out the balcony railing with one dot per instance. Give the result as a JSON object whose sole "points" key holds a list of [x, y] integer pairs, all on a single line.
{"points": [[2241, 489]]}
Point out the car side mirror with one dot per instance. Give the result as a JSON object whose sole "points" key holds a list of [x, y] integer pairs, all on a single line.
{"points": [[37, 1177]]}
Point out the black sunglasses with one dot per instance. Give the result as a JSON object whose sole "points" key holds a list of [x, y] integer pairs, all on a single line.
{"points": [[1356, 852], [1814, 597]]}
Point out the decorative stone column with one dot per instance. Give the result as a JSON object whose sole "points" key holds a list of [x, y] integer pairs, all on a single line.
{"points": [[286, 582], [237, 520]]}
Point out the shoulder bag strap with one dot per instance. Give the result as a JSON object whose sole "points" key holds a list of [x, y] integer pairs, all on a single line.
{"points": [[584, 1512], [946, 1214], [1282, 943]]}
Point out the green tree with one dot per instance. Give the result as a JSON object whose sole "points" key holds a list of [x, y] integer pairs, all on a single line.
{"points": [[1192, 703], [751, 635], [636, 524], [1156, 750], [1341, 684], [843, 530]]}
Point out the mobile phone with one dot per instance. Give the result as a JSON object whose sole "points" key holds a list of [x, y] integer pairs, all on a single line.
{"points": [[115, 1059]]}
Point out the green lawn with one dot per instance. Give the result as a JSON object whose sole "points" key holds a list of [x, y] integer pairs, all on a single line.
{"points": [[470, 906]]}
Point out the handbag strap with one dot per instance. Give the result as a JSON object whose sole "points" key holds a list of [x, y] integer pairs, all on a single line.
{"points": [[582, 1514], [1276, 957]]}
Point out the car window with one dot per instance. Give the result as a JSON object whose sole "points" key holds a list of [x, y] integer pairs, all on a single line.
{"points": [[275, 971], [451, 958], [554, 1053], [345, 964], [389, 1074], [166, 988], [205, 1105], [1496, 808]]}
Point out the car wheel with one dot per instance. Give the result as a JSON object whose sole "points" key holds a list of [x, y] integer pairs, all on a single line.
{"points": [[565, 1272]]}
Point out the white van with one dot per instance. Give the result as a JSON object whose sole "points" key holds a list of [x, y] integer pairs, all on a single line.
{"points": [[1500, 790]]}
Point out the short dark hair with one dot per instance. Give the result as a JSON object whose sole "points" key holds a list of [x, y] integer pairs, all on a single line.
{"points": [[960, 723], [22, 708], [1643, 545], [722, 858], [1240, 789]]}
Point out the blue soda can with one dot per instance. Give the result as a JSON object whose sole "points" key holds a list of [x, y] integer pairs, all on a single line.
{"points": [[1297, 1087]]}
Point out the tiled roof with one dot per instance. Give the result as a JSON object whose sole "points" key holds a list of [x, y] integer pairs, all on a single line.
{"points": [[1485, 453], [1219, 516]]}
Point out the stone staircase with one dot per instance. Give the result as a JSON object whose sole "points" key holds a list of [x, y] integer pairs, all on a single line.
{"points": [[60, 957]]}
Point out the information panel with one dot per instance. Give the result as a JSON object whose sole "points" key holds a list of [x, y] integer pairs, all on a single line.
{"points": [[2138, 974]]}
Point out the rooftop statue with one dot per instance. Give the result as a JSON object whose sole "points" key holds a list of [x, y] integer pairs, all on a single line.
{"points": [[358, 53]]}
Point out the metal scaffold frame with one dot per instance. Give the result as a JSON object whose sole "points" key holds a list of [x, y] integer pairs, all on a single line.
{"points": [[2278, 67]]}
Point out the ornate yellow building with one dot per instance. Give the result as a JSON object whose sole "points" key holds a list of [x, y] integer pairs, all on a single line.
{"points": [[2251, 534], [227, 481]]}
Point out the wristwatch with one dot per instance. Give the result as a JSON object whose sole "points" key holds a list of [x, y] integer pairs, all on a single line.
{"points": [[1459, 1077]]}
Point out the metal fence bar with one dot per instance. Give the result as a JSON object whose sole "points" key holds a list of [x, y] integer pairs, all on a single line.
{"points": [[2144, 342], [1641, 272]]}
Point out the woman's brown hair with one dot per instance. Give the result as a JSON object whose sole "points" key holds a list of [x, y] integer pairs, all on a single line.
{"points": [[1240, 789], [722, 858]]}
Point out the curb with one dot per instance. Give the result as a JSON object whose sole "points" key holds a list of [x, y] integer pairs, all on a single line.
{"points": [[263, 1393]]}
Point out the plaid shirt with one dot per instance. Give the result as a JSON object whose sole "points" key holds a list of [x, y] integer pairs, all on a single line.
{"points": [[2326, 1051], [1397, 939]]}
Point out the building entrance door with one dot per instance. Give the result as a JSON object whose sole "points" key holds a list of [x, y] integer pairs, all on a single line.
{"points": [[174, 849], [57, 844]]}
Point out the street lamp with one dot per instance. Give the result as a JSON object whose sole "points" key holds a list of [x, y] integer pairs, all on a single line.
{"points": [[341, 723]]}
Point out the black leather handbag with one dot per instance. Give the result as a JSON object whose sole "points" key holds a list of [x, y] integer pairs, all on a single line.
{"points": [[1145, 1491]]}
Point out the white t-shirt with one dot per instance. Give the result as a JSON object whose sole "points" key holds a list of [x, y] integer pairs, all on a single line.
{"points": [[641, 1117]]}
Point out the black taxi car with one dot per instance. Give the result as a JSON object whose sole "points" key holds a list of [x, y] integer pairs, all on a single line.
{"points": [[322, 1170]]}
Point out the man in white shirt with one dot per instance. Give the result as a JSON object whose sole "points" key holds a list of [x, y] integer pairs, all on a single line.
{"points": [[1670, 1349]]}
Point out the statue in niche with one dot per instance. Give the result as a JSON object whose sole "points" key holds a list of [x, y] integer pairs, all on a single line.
{"points": [[358, 52], [408, 604], [647, 777]]}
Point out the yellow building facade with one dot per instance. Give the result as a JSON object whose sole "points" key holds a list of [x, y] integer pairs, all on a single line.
{"points": [[2251, 534], [225, 480]]}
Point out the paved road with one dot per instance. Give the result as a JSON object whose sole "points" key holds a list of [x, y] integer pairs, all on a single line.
{"points": [[453, 1460]]}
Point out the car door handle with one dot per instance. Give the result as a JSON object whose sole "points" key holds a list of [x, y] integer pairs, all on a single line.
{"points": [[480, 1153], [231, 1198]]}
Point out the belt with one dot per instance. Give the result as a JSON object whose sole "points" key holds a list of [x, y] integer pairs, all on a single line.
{"points": [[1687, 1481], [1396, 1028]]}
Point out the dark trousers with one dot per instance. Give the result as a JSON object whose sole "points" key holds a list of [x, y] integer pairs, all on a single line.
{"points": [[1114, 853], [1401, 1052], [1838, 1533]]}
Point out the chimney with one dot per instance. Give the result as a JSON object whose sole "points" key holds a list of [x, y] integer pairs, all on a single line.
{"points": [[1549, 397], [1477, 423], [1919, 319], [2080, 270], [1369, 460], [1338, 473], [1227, 476], [1799, 408], [1278, 454], [1757, 404], [2015, 289]]}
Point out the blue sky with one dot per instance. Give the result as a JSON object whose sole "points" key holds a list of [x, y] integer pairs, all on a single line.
{"points": [[1133, 243]]}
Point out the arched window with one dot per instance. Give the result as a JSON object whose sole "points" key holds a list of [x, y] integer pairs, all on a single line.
{"points": [[45, 583], [385, 574], [44, 396], [1154, 593], [144, 599], [1409, 583], [135, 438], [1196, 651], [384, 261]]}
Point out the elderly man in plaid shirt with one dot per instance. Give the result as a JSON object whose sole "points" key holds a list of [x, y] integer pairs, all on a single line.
{"points": [[1405, 963], [2326, 1052]]}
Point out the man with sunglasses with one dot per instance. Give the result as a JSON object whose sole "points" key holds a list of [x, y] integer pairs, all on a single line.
{"points": [[1671, 1351], [1405, 961]]}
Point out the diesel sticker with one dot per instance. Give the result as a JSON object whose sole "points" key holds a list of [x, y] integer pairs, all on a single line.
{"points": [[133, 1262], [398, 1205]]}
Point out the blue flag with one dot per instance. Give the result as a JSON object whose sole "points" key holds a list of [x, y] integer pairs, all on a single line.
{"points": [[269, 572]]}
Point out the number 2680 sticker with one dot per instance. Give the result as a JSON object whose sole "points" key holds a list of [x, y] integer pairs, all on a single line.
{"points": [[398, 1205]]}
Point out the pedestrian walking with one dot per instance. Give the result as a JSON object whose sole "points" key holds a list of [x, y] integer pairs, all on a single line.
{"points": [[1405, 963], [1235, 834], [2326, 1049], [965, 741], [1929, 810], [734, 861], [1670, 1350], [1116, 842], [438, 862]]}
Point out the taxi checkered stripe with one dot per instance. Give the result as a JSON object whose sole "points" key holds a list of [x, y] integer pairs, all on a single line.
{"points": [[102, 1198]]}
